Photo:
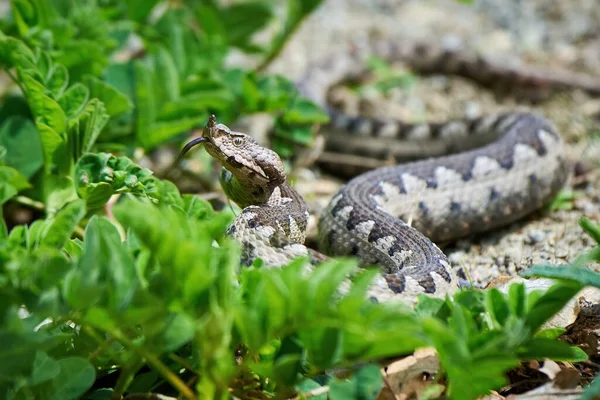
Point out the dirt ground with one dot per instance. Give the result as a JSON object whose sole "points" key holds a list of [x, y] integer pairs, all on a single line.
{"points": [[562, 35]]}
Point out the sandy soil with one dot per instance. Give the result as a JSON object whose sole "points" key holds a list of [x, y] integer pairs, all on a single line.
{"points": [[514, 32]]}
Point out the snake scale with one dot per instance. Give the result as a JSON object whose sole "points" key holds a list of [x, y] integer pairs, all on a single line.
{"points": [[444, 197]]}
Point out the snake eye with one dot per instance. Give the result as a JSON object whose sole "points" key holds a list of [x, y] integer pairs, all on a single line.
{"points": [[237, 141]]}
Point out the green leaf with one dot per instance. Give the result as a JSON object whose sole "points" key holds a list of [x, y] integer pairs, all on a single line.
{"points": [[303, 135], [308, 386], [14, 53], [288, 364], [178, 330], [114, 101], [100, 175], [17, 355], [324, 345], [45, 109], [91, 121], [143, 382], [461, 322], [304, 111], [590, 228], [297, 10], [555, 298], [58, 80], [101, 394], [209, 20], [51, 141], [286, 369], [480, 377], [139, 10], [24, 150], [76, 376], [540, 348], [106, 273], [195, 207], [59, 228], [165, 67], [244, 20], [497, 306], [100, 318], [44, 368], [163, 131], [11, 183], [190, 105], [582, 275], [96, 195], [83, 57], [183, 253], [59, 190], [74, 100], [564, 200], [276, 92], [550, 333], [592, 392], [517, 299], [364, 384], [122, 77], [145, 103]]}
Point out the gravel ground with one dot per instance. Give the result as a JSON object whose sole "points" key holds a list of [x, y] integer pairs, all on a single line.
{"points": [[534, 31]]}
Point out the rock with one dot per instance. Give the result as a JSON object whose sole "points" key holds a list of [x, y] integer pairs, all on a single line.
{"points": [[535, 236]]}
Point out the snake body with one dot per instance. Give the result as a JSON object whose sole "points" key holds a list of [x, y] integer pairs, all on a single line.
{"points": [[444, 198]]}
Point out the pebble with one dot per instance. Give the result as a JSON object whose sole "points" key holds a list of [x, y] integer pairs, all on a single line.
{"points": [[535, 236], [456, 257]]}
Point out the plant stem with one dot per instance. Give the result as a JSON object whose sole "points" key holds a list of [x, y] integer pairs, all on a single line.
{"points": [[104, 346], [26, 201], [126, 376], [155, 362], [39, 206], [313, 393], [184, 363], [16, 81], [291, 25], [79, 231]]}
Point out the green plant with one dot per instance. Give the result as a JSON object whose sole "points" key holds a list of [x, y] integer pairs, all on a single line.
{"points": [[72, 90]]}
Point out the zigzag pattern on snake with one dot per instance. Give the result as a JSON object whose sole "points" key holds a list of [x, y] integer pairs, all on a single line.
{"points": [[445, 198]]}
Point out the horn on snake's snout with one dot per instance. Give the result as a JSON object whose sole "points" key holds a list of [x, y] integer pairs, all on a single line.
{"points": [[212, 121]]}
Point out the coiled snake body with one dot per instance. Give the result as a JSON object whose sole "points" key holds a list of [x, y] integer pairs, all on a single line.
{"points": [[444, 197]]}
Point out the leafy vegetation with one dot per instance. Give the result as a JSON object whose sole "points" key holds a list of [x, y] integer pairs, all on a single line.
{"points": [[102, 302]]}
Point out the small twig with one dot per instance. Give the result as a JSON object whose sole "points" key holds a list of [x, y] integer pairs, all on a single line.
{"points": [[231, 206], [126, 375], [16, 81], [591, 363], [26, 201], [523, 382], [103, 347], [180, 360], [313, 393], [39, 206], [157, 364], [148, 396], [211, 196], [281, 41], [103, 343], [79, 231]]}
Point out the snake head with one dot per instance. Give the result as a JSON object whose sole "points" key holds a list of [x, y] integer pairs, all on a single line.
{"points": [[239, 153]]}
